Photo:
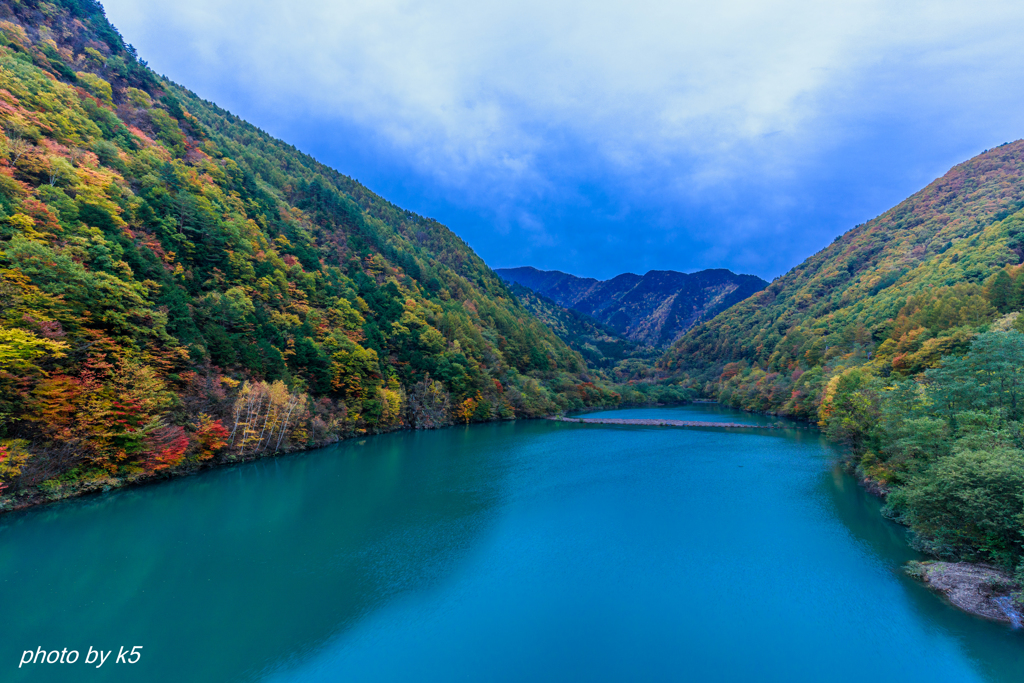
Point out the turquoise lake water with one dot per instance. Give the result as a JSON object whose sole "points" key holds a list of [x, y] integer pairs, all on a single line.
{"points": [[525, 551]]}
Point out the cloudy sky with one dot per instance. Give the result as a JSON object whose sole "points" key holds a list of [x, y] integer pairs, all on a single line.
{"points": [[601, 137]]}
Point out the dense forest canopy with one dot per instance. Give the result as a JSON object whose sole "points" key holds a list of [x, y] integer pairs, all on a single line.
{"points": [[178, 287]]}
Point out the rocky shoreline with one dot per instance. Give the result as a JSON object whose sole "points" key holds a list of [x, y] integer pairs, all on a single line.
{"points": [[977, 589], [872, 486]]}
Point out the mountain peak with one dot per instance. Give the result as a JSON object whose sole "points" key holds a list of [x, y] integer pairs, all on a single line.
{"points": [[653, 309]]}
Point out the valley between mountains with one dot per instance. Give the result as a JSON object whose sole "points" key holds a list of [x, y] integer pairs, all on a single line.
{"points": [[178, 289]]}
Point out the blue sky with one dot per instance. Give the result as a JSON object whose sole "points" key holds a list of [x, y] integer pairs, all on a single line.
{"points": [[603, 137]]}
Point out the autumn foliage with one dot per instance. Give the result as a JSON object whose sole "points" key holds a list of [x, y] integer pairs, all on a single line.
{"points": [[178, 288]]}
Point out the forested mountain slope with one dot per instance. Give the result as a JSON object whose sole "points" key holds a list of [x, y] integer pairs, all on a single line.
{"points": [[176, 286], [651, 309], [601, 346], [901, 290], [904, 340]]}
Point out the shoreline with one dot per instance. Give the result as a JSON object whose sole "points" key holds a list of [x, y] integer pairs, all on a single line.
{"points": [[37, 498], [975, 588], [19, 501]]}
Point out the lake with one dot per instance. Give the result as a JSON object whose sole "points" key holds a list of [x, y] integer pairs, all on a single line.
{"points": [[519, 551]]}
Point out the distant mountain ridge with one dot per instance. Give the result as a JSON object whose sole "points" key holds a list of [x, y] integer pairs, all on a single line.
{"points": [[600, 346], [652, 309]]}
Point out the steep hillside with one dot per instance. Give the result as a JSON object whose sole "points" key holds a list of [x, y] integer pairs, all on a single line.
{"points": [[898, 293], [600, 346], [653, 309], [904, 340], [178, 287]]}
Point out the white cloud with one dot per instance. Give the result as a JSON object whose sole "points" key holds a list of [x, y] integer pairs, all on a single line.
{"points": [[468, 83], [691, 95]]}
